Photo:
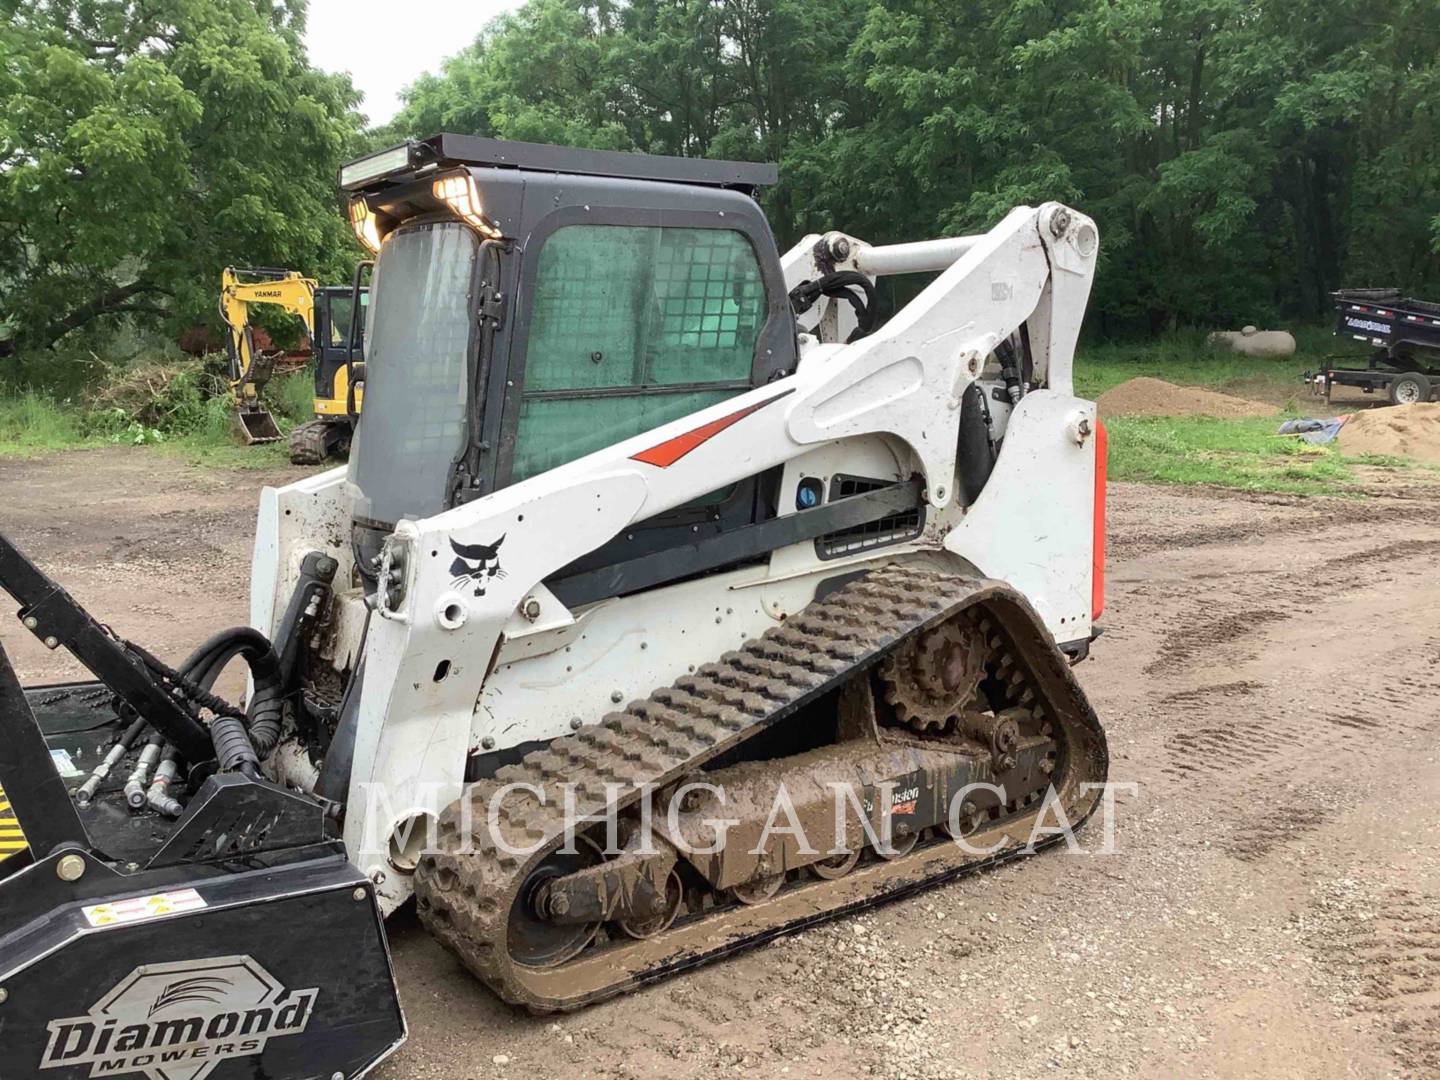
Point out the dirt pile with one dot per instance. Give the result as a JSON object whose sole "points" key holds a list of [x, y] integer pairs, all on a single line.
{"points": [[1408, 431], [1156, 397]]}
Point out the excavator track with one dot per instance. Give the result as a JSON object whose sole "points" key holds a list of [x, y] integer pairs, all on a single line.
{"points": [[467, 891], [314, 442], [307, 444]]}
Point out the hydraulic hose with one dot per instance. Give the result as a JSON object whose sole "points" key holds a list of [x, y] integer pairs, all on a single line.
{"points": [[158, 796], [241, 741], [140, 777], [264, 712], [232, 747], [840, 285], [206, 662], [1010, 371]]}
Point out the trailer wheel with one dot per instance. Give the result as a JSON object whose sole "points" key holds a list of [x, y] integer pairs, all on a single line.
{"points": [[1409, 388]]}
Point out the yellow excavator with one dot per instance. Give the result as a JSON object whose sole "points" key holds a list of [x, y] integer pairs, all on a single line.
{"points": [[335, 331]]}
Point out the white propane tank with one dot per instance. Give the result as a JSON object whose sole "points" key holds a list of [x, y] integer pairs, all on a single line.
{"points": [[1253, 342]]}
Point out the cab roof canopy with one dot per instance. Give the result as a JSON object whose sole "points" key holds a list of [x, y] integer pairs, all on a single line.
{"points": [[402, 162]]}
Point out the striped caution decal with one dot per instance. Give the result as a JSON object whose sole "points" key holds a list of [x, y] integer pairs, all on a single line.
{"points": [[11, 838]]}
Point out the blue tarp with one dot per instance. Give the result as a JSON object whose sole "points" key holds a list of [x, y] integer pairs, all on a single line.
{"points": [[1318, 432]]}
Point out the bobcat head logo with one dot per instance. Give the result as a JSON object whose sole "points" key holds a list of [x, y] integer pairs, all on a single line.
{"points": [[476, 564]]}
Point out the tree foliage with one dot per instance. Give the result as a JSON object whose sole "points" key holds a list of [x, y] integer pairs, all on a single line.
{"points": [[1241, 158], [144, 146]]}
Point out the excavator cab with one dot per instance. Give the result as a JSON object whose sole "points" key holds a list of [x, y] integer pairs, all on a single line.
{"points": [[337, 344], [334, 352]]}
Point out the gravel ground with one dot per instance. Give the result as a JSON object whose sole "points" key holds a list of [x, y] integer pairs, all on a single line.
{"points": [[1269, 680]]}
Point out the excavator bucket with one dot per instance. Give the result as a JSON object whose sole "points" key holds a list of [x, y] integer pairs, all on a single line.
{"points": [[256, 426]]}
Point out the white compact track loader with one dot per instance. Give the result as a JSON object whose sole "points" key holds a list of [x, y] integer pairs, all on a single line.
{"points": [[673, 598]]}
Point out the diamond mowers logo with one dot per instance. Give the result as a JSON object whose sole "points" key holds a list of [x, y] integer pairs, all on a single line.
{"points": [[179, 1021]]}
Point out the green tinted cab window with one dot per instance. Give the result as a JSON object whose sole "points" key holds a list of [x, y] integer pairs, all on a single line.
{"points": [[340, 316], [632, 327]]}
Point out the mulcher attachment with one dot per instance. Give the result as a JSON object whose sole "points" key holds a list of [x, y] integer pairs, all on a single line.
{"points": [[137, 943], [987, 736]]}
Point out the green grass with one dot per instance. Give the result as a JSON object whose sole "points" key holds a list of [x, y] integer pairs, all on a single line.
{"points": [[31, 423], [196, 427], [213, 442], [1244, 454], [1183, 357], [292, 397]]}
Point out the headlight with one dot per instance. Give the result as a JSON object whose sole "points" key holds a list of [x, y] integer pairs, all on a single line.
{"points": [[460, 193]]}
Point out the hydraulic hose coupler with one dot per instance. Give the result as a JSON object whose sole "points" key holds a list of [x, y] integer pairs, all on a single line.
{"points": [[135, 786], [159, 796], [87, 790]]}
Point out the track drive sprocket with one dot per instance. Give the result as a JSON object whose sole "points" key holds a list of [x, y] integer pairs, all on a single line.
{"points": [[931, 678]]}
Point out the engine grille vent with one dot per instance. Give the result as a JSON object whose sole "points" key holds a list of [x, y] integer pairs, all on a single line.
{"points": [[895, 529]]}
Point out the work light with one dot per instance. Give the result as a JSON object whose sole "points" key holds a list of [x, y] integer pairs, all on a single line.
{"points": [[460, 193], [367, 229], [381, 163]]}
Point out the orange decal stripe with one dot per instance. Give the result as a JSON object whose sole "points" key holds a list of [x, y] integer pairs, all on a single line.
{"points": [[1097, 548], [672, 450]]}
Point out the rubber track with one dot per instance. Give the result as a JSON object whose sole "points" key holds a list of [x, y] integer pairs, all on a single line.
{"points": [[464, 898]]}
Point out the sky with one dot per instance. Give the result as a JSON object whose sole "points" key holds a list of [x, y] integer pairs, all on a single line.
{"points": [[385, 46]]}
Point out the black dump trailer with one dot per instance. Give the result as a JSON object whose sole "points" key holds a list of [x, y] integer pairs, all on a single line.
{"points": [[1404, 335]]}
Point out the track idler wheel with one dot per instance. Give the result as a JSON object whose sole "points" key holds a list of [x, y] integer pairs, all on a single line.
{"points": [[835, 867], [533, 938], [970, 819], [640, 929], [902, 842], [759, 890]]}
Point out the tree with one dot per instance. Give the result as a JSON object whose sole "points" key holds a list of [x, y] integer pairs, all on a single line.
{"points": [[543, 74], [143, 147], [1242, 159]]}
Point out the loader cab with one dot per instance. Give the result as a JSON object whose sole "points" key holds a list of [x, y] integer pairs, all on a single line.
{"points": [[534, 304]]}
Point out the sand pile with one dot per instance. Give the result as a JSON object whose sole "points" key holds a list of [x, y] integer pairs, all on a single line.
{"points": [[1156, 397], [1408, 431]]}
